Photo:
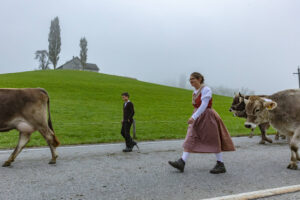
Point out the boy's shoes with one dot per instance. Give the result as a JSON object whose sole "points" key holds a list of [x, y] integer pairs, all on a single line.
{"points": [[127, 149]]}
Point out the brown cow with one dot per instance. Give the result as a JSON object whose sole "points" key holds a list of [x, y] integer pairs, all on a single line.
{"points": [[238, 109], [282, 110], [26, 111]]}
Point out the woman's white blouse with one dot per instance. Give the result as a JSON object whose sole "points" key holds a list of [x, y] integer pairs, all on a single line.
{"points": [[206, 95]]}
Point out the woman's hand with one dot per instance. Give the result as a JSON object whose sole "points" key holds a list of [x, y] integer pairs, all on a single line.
{"points": [[191, 120]]}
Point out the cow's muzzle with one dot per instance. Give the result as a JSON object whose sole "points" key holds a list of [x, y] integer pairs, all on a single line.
{"points": [[250, 125]]}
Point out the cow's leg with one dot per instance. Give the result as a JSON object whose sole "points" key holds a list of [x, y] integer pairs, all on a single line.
{"points": [[23, 140], [295, 139], [289, 139], [252, 133], [263, 128], [49, 136], [277, 136]]}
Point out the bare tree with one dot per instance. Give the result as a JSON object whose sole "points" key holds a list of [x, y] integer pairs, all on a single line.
{"points": [[83, 51], [54, 42], [42, 56]]}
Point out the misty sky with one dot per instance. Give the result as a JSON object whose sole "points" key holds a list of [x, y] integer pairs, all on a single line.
{"points": [[242, 43]]}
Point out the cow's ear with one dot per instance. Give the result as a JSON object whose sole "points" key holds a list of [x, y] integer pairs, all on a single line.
{"points": [[246, 101], [270, 105]]}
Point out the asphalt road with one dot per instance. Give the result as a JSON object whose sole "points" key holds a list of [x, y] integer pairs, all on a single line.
{"points": [[105, 172]]}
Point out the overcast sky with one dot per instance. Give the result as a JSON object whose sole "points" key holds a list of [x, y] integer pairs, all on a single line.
{"points": [[237, 43]]}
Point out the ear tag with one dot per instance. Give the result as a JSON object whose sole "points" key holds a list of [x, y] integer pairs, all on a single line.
{"points": [[269, 107]]}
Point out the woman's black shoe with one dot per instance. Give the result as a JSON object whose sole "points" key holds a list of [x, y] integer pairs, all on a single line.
{"points": [[179, 164], [219, 168]]}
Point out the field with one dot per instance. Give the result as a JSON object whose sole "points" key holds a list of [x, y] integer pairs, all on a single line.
{"points": [[86, 107]]}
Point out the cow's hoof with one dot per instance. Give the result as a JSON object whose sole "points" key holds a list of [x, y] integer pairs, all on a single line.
{"points": [[6, 164], [262, 142], [250, 136], [269, 140], [52, 162], [292, 166], [276, 137], [283, 137]]}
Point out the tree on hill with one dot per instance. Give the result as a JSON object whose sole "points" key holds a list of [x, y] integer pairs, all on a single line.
{"points": [[42, 56], [54, 41], [83, 51]]}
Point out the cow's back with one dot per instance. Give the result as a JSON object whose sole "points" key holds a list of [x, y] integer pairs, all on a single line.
{"points": [[288, 106], [14, 101]]}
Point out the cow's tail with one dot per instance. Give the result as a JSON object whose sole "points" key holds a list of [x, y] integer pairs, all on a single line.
{"points": [[56, 141]]}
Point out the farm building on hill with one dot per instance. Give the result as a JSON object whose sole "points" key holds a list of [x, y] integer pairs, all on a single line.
{"points": [[75, 64]]}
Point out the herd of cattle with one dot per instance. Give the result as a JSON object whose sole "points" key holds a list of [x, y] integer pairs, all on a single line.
{"points": [[28, 110], [280, 110]]}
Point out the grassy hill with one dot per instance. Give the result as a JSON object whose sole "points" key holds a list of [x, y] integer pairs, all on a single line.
{"points": [[86, 107]]}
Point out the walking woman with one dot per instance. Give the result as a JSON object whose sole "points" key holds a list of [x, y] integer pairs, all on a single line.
{"points": [[206, 131]]}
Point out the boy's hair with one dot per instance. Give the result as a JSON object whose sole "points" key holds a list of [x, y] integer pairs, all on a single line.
{"points": [[125, 94]]}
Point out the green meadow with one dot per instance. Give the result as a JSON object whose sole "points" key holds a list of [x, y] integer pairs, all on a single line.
{"points": [[86, 107]]}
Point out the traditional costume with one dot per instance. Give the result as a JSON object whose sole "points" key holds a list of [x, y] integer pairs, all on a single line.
{"points": [[207, 134]]}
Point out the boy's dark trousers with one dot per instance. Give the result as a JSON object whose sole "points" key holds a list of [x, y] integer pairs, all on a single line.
{"points": [[125, 131]]}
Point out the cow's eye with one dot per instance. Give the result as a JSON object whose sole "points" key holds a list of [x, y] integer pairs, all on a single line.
{"points": [[257, 110]]}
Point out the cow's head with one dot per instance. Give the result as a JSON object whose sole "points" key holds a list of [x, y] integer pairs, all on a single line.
{"points": [[238, 104], [257, 109]]}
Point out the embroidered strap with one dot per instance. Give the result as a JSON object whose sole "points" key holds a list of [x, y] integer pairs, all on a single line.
{"points": [[195, 96]]}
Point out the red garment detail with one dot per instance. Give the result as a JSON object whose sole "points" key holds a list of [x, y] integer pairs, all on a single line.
{"points": [[199, 101]]}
